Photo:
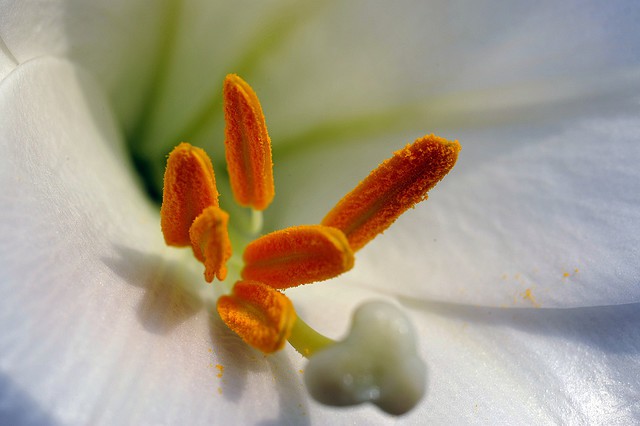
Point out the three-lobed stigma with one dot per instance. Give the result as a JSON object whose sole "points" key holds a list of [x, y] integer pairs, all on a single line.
{"points": [[380, 359], [378, 350]]}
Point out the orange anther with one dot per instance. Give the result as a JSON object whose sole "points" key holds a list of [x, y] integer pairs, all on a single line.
{"points": [[297, 255], [395, 186], [210, 242], [247, 143], [189, 188], [261, 315]]}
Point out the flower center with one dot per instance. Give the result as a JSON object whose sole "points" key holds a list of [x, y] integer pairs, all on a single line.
{"points": [[257, 309]]}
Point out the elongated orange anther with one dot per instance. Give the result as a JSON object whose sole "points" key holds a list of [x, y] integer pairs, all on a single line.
{"points": [[247, 144], [395, 186], [189, 188], [261, 315], [210, 242], [297, 255]]}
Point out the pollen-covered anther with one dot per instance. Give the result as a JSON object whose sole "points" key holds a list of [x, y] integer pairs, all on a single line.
{"points": [[393, 187], [262, 316], [189, 188], [297, 255], [210, 242], [247, 145]]}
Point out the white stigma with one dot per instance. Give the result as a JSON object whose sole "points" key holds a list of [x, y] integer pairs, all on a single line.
{"points": [[377, 362]]}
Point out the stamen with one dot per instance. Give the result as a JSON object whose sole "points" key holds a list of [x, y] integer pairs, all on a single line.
{"points": [[260, 315], [247, 143], [189, 188], [297, 255], [395, 186], [210, 241]]}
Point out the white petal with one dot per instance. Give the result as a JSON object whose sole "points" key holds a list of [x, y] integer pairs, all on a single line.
{"points": [[102, 324], [523, 220], [324, 71], [535, 366], [511, 366], [528, 217], [118, 41], [541, 214], [7, 61], [359, 59], [451, 66]]}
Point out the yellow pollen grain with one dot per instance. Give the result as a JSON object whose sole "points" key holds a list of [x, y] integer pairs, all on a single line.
{"points": [[189, 188], [262, 316], [247, 145], [297, 255], [220, 369], [528, 295], [392, 188]]}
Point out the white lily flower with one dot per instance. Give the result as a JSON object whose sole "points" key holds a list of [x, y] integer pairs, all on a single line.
{"points": [[520, 274]]}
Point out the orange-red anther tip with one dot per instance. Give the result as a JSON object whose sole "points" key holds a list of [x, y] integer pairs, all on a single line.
{"points": [[247, 145], [189, 188], [262, 316], [210, 242], [297, 255], [393, 187]]}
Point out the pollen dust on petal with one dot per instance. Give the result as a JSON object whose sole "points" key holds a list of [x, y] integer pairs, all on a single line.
{"points": [[528, 295], [566, 274], [220, 369]]}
